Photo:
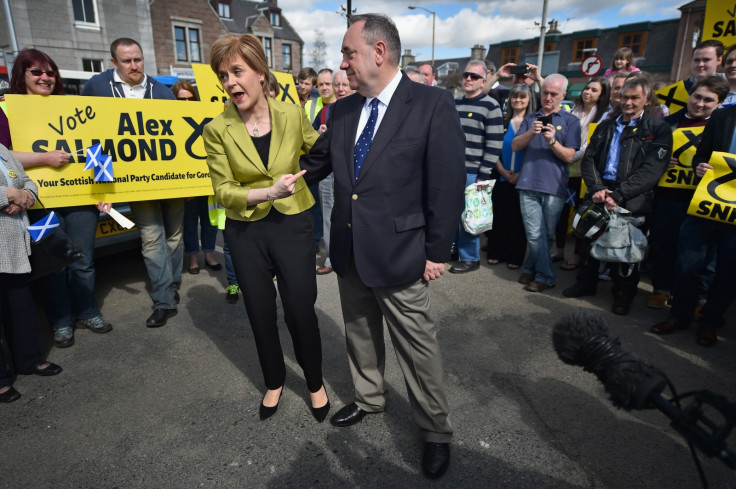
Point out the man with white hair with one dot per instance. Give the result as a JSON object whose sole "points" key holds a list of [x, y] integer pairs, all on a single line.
{"points": [[550, 138]]}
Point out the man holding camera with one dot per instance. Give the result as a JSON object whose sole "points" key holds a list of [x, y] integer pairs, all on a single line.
{"points": [[550, 137]]}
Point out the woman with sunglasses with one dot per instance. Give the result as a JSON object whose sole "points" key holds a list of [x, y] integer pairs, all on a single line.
{"points": [[69, 294]]}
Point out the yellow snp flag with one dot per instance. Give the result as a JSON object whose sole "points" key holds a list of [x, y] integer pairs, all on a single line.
{"points": [[156, 146], [210, 89], [674, 96], [715, 197], [684, 145], [719, 21]]}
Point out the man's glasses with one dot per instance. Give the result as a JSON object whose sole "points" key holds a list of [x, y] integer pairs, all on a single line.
{"points": [[474, 76], [37, 72]]}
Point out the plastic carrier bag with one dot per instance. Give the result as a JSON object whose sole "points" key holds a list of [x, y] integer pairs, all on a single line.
{"points": [[478, 213]]}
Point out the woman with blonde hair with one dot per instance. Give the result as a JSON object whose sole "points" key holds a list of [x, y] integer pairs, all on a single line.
{"points": [[253, 153]]}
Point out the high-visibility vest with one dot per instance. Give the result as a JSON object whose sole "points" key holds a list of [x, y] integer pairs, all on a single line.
{"points": [[216, 212], [312, 107]]}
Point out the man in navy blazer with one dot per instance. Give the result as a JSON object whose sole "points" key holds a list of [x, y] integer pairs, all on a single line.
{"points": [[393, 223]]}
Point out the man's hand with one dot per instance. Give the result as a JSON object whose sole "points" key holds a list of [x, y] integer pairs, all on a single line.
{"points": [[604, 197], [549, 133], [702, 168], [433, 270], [103, 207], [672, 163]]}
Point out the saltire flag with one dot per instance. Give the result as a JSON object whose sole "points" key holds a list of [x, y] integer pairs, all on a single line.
{"points": [[93, 152], [103, 172], [44, 226]]}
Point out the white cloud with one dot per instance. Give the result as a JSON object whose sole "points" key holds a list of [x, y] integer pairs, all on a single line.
{"points": [[480, 22]]}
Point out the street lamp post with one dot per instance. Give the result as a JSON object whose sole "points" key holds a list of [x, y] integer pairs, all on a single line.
{"points": [[434, 18]]}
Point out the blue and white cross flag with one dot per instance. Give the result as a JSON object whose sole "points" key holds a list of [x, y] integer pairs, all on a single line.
{"points": [[44, 226], [103, 172], [571, 197], [93, 152]]}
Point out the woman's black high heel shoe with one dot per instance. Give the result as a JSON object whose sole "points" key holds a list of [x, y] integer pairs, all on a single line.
{"points": [[320, 413], [266, 412]]}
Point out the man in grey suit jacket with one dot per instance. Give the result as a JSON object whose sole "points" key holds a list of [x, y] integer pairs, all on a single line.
{"points": [[393, 222]]}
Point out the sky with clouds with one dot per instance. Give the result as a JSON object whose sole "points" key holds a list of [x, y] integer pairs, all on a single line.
{"points": [[461, 24]]}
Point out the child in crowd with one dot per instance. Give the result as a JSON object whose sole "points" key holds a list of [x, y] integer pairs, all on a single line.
{"points": [[623, 62]]}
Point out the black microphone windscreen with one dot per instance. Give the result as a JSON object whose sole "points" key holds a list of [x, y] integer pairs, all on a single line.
{"points": [[572, 332]]}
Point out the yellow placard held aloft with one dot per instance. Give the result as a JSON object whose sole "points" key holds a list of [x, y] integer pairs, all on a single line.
{"points": [[210, 88], [684, 145], [156, 146], [720, 21], [715, 197], [674, 96]]}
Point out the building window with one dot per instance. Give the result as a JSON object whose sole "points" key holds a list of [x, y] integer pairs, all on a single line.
{"points": [[92, 65], [187, 44], [223, 10], [634, 41], [275, 19], [510, 55], [286, 56], [583, 47], [267, 43], [548, 46], [85, 11]]}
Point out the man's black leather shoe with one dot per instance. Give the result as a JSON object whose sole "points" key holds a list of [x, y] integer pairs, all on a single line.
{"points": [[348, 416], [159, 317], [436, 459], [465, 266]]}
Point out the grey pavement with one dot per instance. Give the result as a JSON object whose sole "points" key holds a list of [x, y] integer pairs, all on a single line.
{"points": [[177, 407]]}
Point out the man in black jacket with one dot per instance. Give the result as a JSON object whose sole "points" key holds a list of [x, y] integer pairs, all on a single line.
{"points": [[624, 161]]}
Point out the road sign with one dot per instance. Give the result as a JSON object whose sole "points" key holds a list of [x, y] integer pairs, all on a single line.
{"points": [[591, 65]]}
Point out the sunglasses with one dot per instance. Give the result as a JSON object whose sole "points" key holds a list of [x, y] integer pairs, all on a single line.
{"points": [[474, 76], [37, 72], [191, 99]]}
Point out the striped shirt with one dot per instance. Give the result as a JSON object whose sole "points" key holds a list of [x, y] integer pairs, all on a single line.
{"points": [[482, 124]]}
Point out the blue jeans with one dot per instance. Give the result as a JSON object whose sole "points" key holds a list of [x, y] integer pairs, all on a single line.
{"points": [[229, 269], [316, 211], [664, 234], [327, 200], [540, 213], [697, 237], [160, 223], [69, 294], [196, 214], [467, 245]]}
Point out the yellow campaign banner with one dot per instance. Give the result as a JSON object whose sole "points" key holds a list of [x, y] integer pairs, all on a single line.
{"points": [[674, 96], [210, 88], [684, 145], [156, 146], [719, 21], [715, 197]]}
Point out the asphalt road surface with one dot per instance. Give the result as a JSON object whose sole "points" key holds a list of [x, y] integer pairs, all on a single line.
{"points": [[177, 407]]}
